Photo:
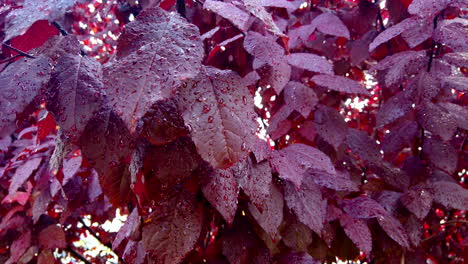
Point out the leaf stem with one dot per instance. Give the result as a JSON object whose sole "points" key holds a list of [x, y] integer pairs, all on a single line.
{"points": [[60, 28]]}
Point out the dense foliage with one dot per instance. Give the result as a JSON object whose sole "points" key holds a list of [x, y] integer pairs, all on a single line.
{"points": [[248, 131]]}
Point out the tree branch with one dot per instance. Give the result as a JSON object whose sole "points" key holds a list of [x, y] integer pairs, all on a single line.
{"points": [[22, 53], [60, 28], [180, 4]]}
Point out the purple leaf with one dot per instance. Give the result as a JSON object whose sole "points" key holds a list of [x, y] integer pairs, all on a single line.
{"points": [[417, 200], [330, 125], [271, 215], [399, 137], [364, 146], [40, 204], [359, 49], [52, 237], [459, 59], [333, 213], [22, 173], [180, 214], [442, 155], [295, 258], [75, 93], [453, 33], [58, 46], [162, 123], [340, 84], [255, 7], [307, 130], [450, 195], [279, 4], [251, 78], [394, 108], [292, 162], [427, 8], [261, 150], [5, 143], [94, 188], [277, 76], [279, 123], [393, 31], [459, 112], [391, 175], [358, 231], [310, 62], [263, 48], [159, 38], [104, 144], [218, 109], [31, 75], [330, 24], [299, 35], [397, 66], [221, 189], [340, 181], [300, 97], [20, 19], [394, 229], [437, 120], [307, 204], [414, 229], [363, 207], [254, 179], [419, 33], [236, 16], [424, 86], [131, 225], [70, 168], [19, 247], [456, 82]]}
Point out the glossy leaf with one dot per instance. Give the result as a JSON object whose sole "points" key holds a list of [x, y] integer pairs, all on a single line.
{"points": [[236, 16], [358, 231], [310, 62], [330, 24], [300, 98], [340, 84]]}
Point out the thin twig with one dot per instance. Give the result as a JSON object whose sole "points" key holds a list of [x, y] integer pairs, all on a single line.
{"points": [[77, 255], [434, 43], [95, 235], [60, 28], [19, 51]]}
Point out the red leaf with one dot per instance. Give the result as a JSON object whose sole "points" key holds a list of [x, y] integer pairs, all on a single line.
{"points": [[330, 24], [307, 204], [218, 109], [133, 82], [236, 16], [450, 195], [340, 84], [300, 98], [292, 162], [29, 74], [52, 237], [172, 230], [310, 62], [221, 189], [37, 34], [330, 125], [358, 231]]}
